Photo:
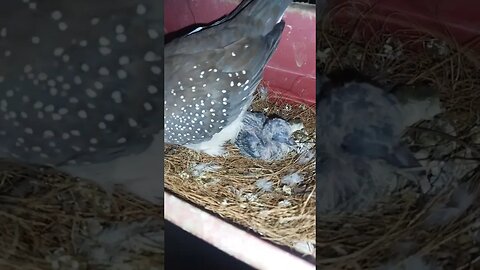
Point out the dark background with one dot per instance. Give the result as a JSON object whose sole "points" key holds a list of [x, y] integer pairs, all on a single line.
{"points": [[186, 251]]}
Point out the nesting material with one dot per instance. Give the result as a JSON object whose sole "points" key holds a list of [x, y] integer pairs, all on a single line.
{"points": [[251, 192], [52, 221], [433, 224]]}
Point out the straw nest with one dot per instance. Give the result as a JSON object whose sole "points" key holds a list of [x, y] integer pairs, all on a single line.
{"points": [[431, 225], [52, 221], [229, 187]]}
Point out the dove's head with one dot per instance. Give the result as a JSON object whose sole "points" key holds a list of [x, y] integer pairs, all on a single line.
{"points": [[278, 130]]}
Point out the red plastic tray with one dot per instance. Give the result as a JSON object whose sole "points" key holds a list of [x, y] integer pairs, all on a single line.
{"points": [[291, 71], [454, 20]]}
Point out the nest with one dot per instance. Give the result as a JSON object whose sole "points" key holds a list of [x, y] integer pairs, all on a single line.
{"points": [[284, 215], [415, 227], [53, 221]]}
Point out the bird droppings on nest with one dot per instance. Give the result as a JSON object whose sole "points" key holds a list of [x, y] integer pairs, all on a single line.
{"points": [[284, 203], [266, 138], [250, 197], [287, 190], [250, 192], [445, 147]]}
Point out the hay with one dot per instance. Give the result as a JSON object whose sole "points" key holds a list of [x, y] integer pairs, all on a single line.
{"points": [[285, 215], [400, 227], [45, 216]]}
